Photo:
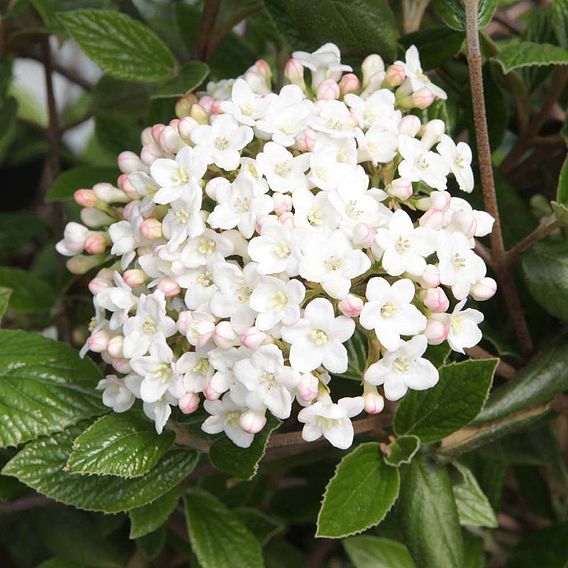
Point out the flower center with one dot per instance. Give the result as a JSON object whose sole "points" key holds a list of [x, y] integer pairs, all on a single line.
{"points": [[389, 310], [242, 204], [181, 176], [206, 246], [205, 279], [352, 210], [283, 250], [457, 324], [162, 372], [402, 245], [459, 260], [221, 143], [243, 294], [333, 263], [401, 364], [459, 161], [318, 336], [232, 418], [182, 216], [283, 169], [149, 326], [268, 380], [315, 216], [279, 300], [422, 162], [247, 109], [202, 367]]}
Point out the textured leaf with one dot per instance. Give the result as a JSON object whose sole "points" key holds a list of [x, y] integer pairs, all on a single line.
{"points": [[358, 27], [260, 525], [528, 54], [41, 466], [190, 77], [117, 131], [151, 517], [429, 516], [83, 177], [402, 450], [473, 506], [453, 12], [5, 294], [359, 495], [125, 445], [44, 387], [375, 552], [562, 189], [545, 270], [18, 229], [560, 20], [29, 293], [357, 356], [242, 462], [217, 536], [454, 402], [435, 45], [123, 47]]}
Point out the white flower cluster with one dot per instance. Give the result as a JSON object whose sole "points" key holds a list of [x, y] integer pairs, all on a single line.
{"points": [[252, 236]]}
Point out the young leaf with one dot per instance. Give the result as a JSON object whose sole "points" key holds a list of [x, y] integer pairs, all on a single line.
{"points": [[83, 177], [190, 77], [454, 402], [453, 12], [528, 54], [402, 450], [473, 506], [429, 516], [41, 466], [29, 293], [123, 47], [242, 462], [376, 552], [151, 517], [44, 387], [359, 495], [124, 445], [217, 536], [5, 294]]}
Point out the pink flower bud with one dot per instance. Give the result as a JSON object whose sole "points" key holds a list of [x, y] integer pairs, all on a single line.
{"points": [[435, 300], [350, 306], [400, 188], [436, 331], [150, 153], [151, 229], [114, 346], [129, 162], [328, 90], [431, 277], [409, 125], [225, 336], [287, 219], [423, 98], [395, 75], [109, 194], [206, 102], [308, 387], [374, 402], [81, 264], [186, 126], [282, 203], [440, 200], [146, 136], [262, 67], [217, 385], [96, 243], [432, 132], [253, 338], [134, 277], [464, 222], [294, 72], [168, 287], [85, 197], [432, 219], [169, 140], [98, 341], [306, 140], [363, 235], [156, 131], [483, 289], [199, 114], [349, 84], [252, 422], [189, 402], [129, 190], [101, 281], [121, 365]]}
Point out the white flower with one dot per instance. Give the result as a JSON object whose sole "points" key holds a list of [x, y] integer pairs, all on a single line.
{"points": [[116, 394], [315, 211], [118, 299], [403, 369], [416, 76], [318, 337], [221, 143], [378, 145], [420, 164], [331, 160], [268, 381], [195, 369], [225, 416], [159, 411], [245, 105], [198, 327], [284, 172], [183, 220], [74, 238], [458, 158], [330, 420], [207, 248], [324, 63], [405, 247], [334, 119], [463, 327], [390, 313], [276, 301], [376, 109]]}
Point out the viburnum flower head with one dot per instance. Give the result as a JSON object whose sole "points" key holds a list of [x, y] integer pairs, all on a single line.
{"points": [[250, 241]]}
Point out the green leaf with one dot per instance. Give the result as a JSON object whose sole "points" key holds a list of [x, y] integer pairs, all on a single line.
{"points": [[217, 536], [562, 189], [151, 517], [83, 177], [375, 552], [358, 27], [559, 10], [124, 445], [454, 402], [357, 356], [428, 515], [8, 111], [545, 547], [190, 77], [117, 131], [152, 544], [435, 45], [124, 48], [453, 12], [29, 293], [41, 466], [402, 450], [473, 506], [119, 96], [18, 229], [260, 525], [560, 212], [242, 462], [359, 495], [5, 294], [520, 54], [44, 387], [545, 271]]}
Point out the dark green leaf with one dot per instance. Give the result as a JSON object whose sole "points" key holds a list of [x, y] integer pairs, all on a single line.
{"points": [[402, 450], [560, 20], [29, 293], [8, 110], [190, 77], [453, 12], [435, 45], [44, 387], [5, 294], [454, 402], [260, 525], [473, 506], [528, 54], [357, 356], [152, 544], [119, 96], [18, 229], [429, 516], [562, 189], [218, 537], [375, 552], [359, 495], [545, 547], [151, 517], [125, 445], [124, 48], [117, 131], [83, 177]]}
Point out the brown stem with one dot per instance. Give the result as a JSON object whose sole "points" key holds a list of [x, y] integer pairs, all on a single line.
{"points": [[484, 253], [206, 26], [25, 503], [503, 368], [542, 231], [504, 275]]}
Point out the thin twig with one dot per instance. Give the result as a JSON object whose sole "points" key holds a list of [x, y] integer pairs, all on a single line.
{"points": [[25, 503], [503, 368], [504, 275], [542, 231], [206, 26]]}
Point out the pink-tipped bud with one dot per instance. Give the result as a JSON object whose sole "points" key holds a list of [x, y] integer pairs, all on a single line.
{"points": [[98, 341], [432, 219], [217, 385], [262, 67], [121, 365], [109, 194], [85, 198], [306, 140], [169, 140], [206, 103], [168, 287], [129, 190], [423, 98], [465, 222], [150, 153], [436, 331], [432, 132], [94, 218], [308, 387], [374, 402], [363, 235], [409, 125], [114, 346], [253, 338], [440, 200], [430, 277], [395, 75], [287, 219], [350, 306], [156, 131], [146, 136], [435, 300], [129, 162], [151, 229], [328, 90], [135, 277], [189, 402], [225, 336], [199, 114], [186, 126], [349, 84], [81, 264], [294, 72], [484, 289], [101, 281], [282, 203], [373, 69], [400, 188], [96, 243], [252, 422]]}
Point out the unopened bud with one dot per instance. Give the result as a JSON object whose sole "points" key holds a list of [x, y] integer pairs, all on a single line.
{"points": [[151, 229], [101, 281], [121, 365], [432, 219], [186, 126], [253, 338], [225, 336], [134, 277], [129, 190], [262, 67], [282, 203], [432, 132], [98, 341], [483, 289], [85, 198], [464, 222], [374, 402], [168, 287], [114, 347], [81, 264], [146, 136], [252, 422], [350, 306], [183, 105], [189, 402], [422, 98], [409, 125], [435, 300], [395, 75], [129, 162], [363, 235], [96, 243], [349, 84], [306, 140], [440, 200], [150, 153], [287, 219], [373, 68], [328, 90], [199, 114], [294, 72], [400, 188], [308, 387], [217, 385], [170, 141], [436, 331], [156, 131], [430, 277], [109, 194]]}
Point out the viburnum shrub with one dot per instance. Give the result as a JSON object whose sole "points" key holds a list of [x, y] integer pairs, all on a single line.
{"points": [[249, 241]]}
